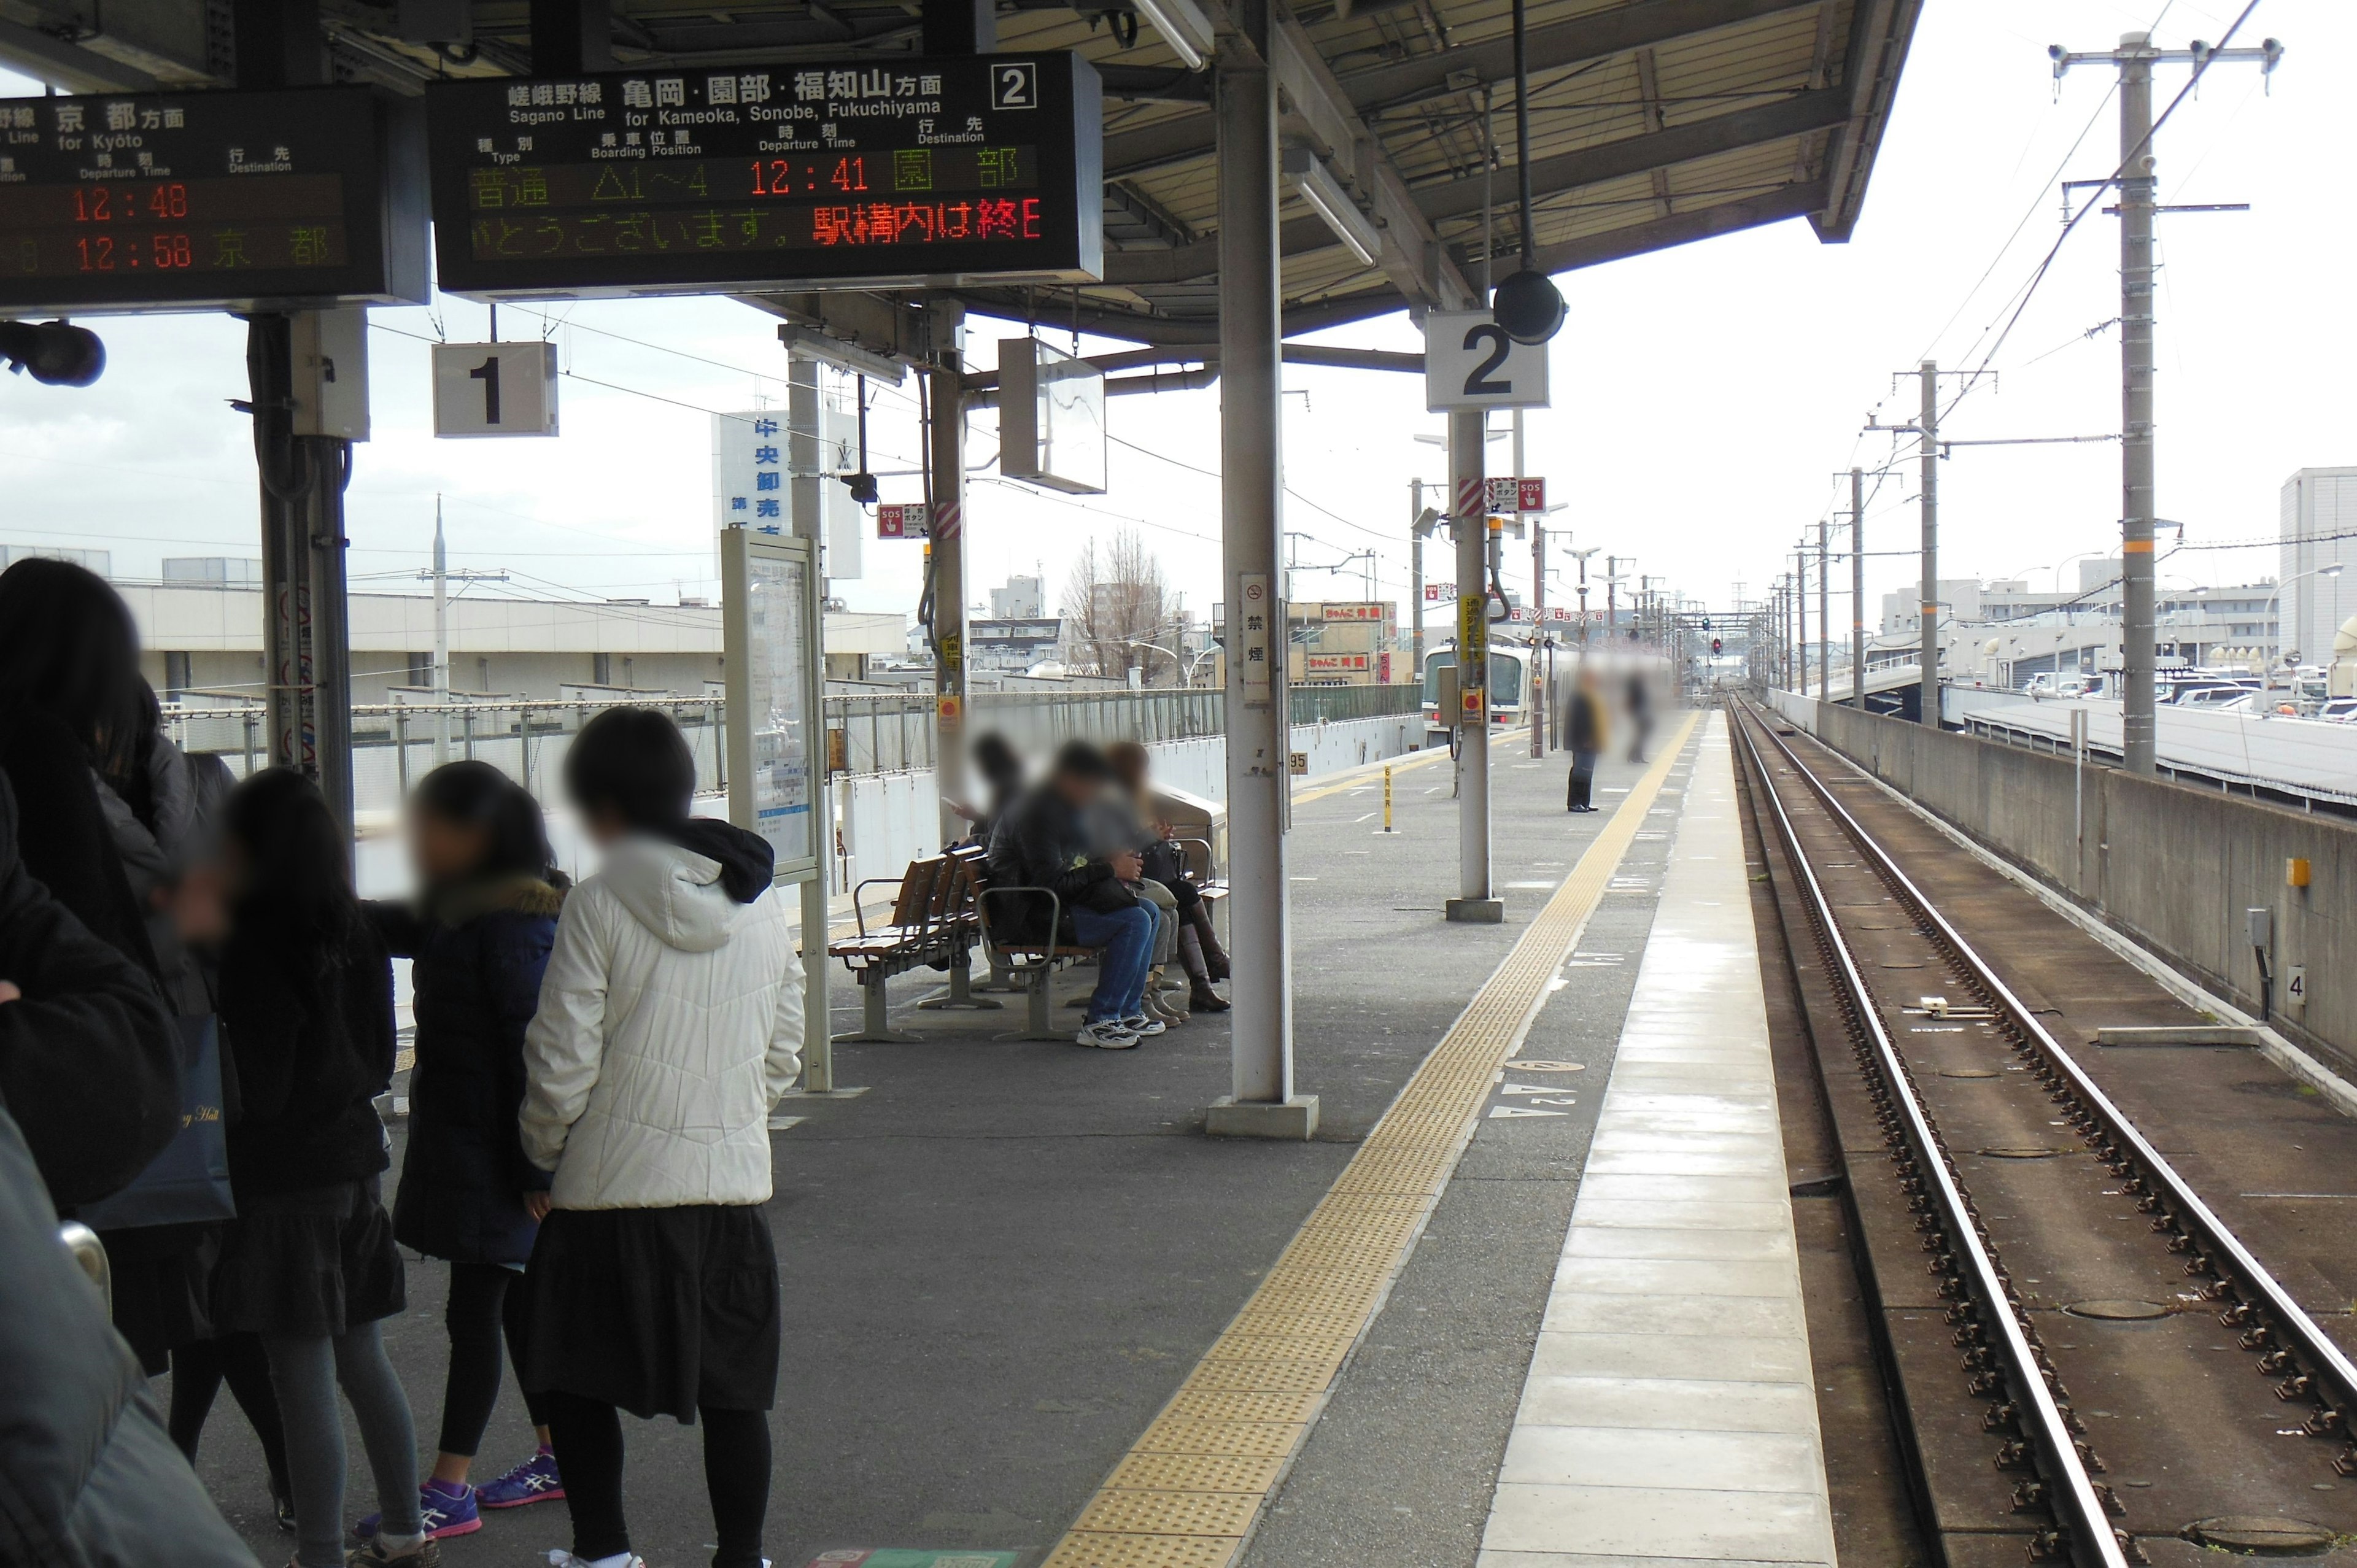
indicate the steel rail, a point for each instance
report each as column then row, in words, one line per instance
column 2073, row 1494
column 2224, row 1255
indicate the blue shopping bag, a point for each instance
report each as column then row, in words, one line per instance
column 189, row 1182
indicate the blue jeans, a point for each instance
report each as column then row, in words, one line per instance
column 1128, row 941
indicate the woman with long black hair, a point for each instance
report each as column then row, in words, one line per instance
column 309, row 1264
column 113, row 818
column 479, row 936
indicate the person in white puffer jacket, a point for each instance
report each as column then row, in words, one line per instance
column 670, row 1022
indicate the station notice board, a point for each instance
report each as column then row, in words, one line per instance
column 127, row 201
column 772, row 663
column 913, row 171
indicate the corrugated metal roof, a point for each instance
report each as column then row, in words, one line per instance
column 1652, row 122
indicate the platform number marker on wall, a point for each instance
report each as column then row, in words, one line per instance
column 1470, row 363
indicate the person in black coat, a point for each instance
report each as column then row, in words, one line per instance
column 89, row 1061
column 1584, row 730
column 479, row 937
column 309, row 1264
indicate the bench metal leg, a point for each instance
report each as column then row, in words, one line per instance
column 1002, row 983
column 876, row 1021
column 1038, row 1024
column 960, row 994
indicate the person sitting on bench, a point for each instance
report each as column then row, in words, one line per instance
column 1042, row 841
column 1199, row 946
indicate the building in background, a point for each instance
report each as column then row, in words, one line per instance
column 200, row 627
column 98, row 561
column 1021, row 598
column 2316, row 515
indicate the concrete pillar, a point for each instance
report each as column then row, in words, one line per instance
column 1469, row 515
column 1264, row 1103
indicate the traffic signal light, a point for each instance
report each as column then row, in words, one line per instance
column 1714, row 647
column 1706, row 625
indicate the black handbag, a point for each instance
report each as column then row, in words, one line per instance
column 189, row 1182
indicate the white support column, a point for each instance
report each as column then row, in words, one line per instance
column 1468, row 514
column 1264, row 1103
column 805, row 502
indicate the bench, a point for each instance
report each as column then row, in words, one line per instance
column 932, row 926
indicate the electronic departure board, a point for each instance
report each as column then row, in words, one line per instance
column 915, row 171
column 185, row 200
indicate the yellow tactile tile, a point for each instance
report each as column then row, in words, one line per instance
column 1098, row 1549
column 1189, row 1490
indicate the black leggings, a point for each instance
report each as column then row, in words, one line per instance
column 199, row 1371
column 587, row 1437
column 480, row 1311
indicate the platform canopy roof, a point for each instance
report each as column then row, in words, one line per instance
column 1653, row 123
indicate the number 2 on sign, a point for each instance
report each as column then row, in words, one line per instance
column 1478, row 382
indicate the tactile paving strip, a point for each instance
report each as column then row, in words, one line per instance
column 1187, row 1492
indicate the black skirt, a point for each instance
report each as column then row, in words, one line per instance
column 656, row 1310
column 310, row 1263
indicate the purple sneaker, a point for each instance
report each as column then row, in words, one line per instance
column 534, row 1481
column 442, row 1512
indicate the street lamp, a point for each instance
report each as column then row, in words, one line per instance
column 2273, row 599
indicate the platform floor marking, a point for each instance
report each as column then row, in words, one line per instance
column 1189, row 1491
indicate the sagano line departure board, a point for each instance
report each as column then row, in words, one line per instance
column 190, row 200
column 690, row 181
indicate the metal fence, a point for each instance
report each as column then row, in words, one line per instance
column 396, row 743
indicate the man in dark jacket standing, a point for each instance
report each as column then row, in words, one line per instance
column 1043, row 840
column 1585, row 731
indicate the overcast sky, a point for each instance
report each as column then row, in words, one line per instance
column 1704, row 398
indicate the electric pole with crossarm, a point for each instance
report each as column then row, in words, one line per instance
column 2135, row 59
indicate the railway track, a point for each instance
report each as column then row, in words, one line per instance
column 2091, row 1365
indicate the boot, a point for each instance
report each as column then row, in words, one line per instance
column 1201, row 997
column 1215, row 958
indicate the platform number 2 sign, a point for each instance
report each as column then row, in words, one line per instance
column 494, row 388
column 1470, row 363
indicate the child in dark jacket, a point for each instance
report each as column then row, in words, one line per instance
column 309, row 1264
column 478, row 937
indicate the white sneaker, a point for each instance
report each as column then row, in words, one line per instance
column 1112, row 1034
column 1141, row 1024
column 562, row 1559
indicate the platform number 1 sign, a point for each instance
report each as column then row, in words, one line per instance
column 494, row 388
column 1470, row 363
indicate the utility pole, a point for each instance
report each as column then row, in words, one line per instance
column 1857, row 589
column 1824, row 618
column 1536, row 693
column 439, row 574
column 1928, row 424
column 1611, row 598
column 2135, row 59
column 1415, row 533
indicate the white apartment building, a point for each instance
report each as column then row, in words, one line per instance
column 2316, row 502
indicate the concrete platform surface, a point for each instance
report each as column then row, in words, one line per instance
column 1002, row 1260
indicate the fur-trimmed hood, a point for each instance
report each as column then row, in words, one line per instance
column 471, row 901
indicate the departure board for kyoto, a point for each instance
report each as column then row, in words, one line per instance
column 185, row 200
column 919, row 170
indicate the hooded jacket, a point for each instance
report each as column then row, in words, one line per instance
column 670, row 1022
column 478, row 952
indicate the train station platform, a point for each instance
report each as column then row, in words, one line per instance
column 1036, row 1316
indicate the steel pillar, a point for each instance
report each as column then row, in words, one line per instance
column 1468, row 444
column 945, row 487
column 1262, row 1101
